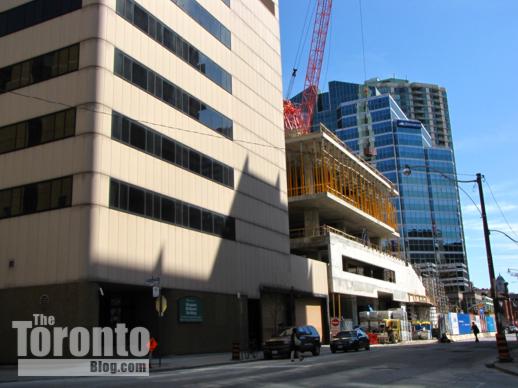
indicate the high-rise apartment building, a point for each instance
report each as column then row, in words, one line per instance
column 142, row 142
column 429, row 218
column 427, row 103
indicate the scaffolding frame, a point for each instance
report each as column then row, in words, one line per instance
column 316, row 165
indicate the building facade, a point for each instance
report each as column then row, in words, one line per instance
column 342, row 213
column 430, row 222
column 144, row 140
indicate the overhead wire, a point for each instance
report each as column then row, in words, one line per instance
column 499, row 208
column 85, row 108
column 143, row 121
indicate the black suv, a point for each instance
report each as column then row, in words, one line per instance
column 280, row 345
column 350, row 340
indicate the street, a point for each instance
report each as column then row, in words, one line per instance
column 461, row 364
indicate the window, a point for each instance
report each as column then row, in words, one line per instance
column 368, row 270
column 136, row 200
column 145, row 139
column 148, row 204
column 162, row 34
column 206, row 222
column 205, row 19
column 39, row 69
column 138, row 136
column 139, row 75
column 34, row 12
column 172, row 94
column 194, row 217
column 36, row 197
column 38, row 130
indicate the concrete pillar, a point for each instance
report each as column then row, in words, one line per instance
column 309, row 179
column 311, row 222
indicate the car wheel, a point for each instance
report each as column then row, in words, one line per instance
column 316, row 351
column 267, row 356
column 368, row 347
column 356, row 348
column 333, row 350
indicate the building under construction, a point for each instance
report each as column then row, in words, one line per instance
column 341, row 212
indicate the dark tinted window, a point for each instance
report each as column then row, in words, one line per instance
column 39, row 69
column 139, row 75
column 38, row 130
column 205, row 19
column 34, row 12
column 140, row 18
column 141, row 202
column 168, row 150
column 194, row 217
column 168, row 210
column 130, row 132
column 136, row 201
column 138, row 136
column 174, row 42
column 36, row 197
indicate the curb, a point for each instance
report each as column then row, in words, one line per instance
column 497, row 366
column 186, row 367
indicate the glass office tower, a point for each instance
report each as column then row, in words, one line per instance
column 429, row 217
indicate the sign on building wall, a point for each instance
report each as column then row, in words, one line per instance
column 190, row 309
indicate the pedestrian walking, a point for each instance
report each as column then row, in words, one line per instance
column 475, row 330
column 295, row 346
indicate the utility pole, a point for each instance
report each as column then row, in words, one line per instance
column 503, row 349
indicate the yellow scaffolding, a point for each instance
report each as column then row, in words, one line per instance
column 318, row 166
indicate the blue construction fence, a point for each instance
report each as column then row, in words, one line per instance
column 458, row 323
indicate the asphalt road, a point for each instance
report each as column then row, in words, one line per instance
column 461, row 364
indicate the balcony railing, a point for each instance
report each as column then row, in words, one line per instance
column 325, row 230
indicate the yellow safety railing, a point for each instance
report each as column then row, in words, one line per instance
column 328, row 175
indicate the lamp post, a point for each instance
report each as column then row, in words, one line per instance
column 503, row 349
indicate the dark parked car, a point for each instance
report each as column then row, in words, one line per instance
column 350, row 340
column 280, row 345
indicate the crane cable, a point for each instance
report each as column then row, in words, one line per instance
column 363, row 42
column 303, row 38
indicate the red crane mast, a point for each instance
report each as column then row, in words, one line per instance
column 298, row 118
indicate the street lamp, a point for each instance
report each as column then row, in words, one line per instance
column 503, row 349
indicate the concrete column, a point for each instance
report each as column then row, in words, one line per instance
column 311, row 221
column 354, row 310
column 309, row 179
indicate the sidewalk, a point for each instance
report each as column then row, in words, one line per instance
column 9, row 373
column 508, row 367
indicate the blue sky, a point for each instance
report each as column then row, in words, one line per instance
column 468, row 46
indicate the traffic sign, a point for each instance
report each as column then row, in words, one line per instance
column 335, row 322
column 156, row 291
column 161, row 305
column 152, row 344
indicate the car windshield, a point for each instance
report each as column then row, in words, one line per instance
column 286, row 333
column 346, row 334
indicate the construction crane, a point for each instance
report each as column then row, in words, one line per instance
column 298, row 117
column 513, row 272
